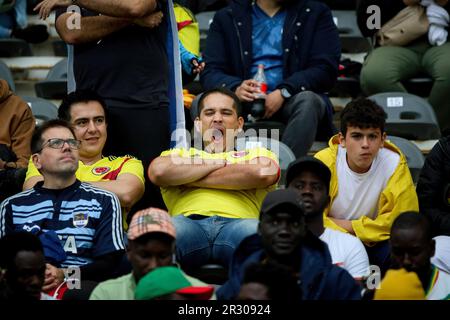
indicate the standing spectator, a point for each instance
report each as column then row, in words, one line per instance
column 120, row 52
column 370, row 180
column 214, row 194
column 124, row 176
column 310, row 177
column 16, row 128
column 298, row 44
column 283, row 238
column 86, row 219
column 22, row 268
column 386, row 67
column 412, row 249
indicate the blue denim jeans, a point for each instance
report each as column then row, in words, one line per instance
column 202, row 239
column 15, row 17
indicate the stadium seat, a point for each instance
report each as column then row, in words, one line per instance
column 42, row 109
column 409, row 116
column 420, row 85
column 5, row 74
column 283, row 152
column 211, row 274
column 14, row 48
column 352, row 40
column 413, row 155
column 55, row 84
column 204, row 19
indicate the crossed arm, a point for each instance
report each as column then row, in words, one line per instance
column 170, row 171
column 115, row 15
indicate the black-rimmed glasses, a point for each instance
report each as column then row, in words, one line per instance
column 56, row 143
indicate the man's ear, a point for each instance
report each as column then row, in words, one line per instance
column 383, row 138
column 341, row 140
column 36, row 160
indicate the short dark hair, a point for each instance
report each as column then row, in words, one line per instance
column 36, row 139
column 78, row 96
column 13, row 243
column 412, row 219
column 279, row 279
column 237, row 103
column 362, row 113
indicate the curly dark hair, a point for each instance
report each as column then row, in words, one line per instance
column 363, row 113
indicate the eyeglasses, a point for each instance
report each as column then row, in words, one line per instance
column 57, row 143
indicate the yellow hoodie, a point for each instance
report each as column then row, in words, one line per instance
column 398, row 196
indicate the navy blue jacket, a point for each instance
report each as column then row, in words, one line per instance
column 311, row 48
column 320, row 279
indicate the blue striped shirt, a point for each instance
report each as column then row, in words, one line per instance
column 86, row 219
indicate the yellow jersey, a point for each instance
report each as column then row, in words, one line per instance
column 210, row 202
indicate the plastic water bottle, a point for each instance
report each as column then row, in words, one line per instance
column 258, row 107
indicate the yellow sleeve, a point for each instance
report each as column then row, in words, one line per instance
column 398, row 196
column 189, row 34
column 135, row 167
column 31, row 171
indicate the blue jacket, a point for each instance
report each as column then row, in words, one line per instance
column 320, row 279
column 311, row 49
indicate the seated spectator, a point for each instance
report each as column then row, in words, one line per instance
column 124, row 176
column 400, row 285
column 214, row 194
column 284, row 239
column 86, row 219
column 16, row 128
column 22, row 268
column 13, row 23
column 412, row 249
column 151, row 244
column 169, row 283
column 298, row 44
column 311, row 179
column 269, row 281
column 433, row 190
column 370, row 180
column 387, row 66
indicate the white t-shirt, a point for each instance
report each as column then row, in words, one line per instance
column 441, row 258
column 347, row 251
column 358, row 194
column 439, row 286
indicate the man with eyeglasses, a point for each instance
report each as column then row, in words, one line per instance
column 86, row 219
column 124, row 175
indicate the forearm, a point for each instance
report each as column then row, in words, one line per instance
column 175, row 171
column 127, row 192
column 239, row 177
column 345, row 224
column 102, row 268
column 120, row 8
column 92, row 28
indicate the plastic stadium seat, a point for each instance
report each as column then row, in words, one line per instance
column 204, row 19
column 42, row 109
column 283, row 152
column 409, row 116
column 55, row 84
column 14, row 48
column 420, row 85
column 5, row 74
column 413, row 155
column 352, row 40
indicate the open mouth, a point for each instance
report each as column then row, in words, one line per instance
column 217, row 135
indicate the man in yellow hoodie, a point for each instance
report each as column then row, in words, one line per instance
column 370, row 180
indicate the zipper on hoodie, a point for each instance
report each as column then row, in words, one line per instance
column 239, row 39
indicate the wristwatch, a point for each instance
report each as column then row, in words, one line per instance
column 285, row 93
